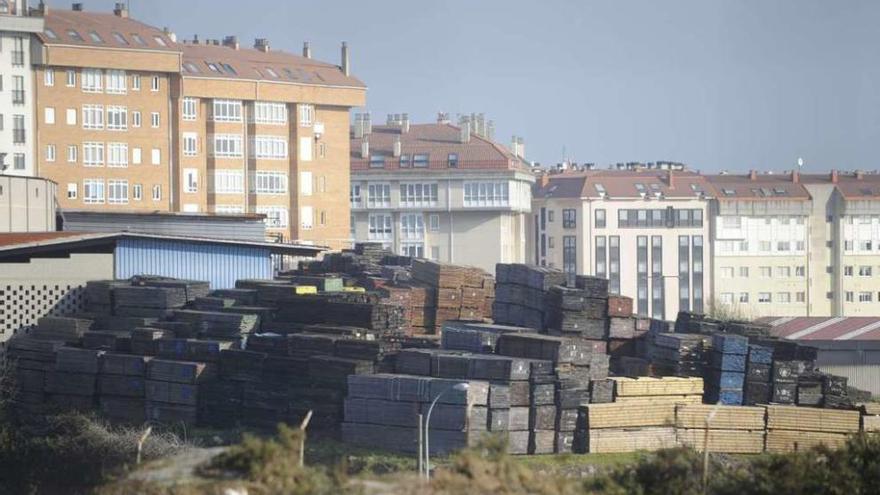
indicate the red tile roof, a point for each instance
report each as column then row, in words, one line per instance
column 758, row 187
column 851, row 185
column 436, row 140
column 624, row 184
column 62, row 22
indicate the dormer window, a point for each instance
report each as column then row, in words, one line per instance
column 600, row 189
column 405, row 161
column 377, row 161
column 640, row 188
column 137, row 39
column 50, row 34
column 452, row 160
column 160, row 40
column 96, row 37
column 75, row 35
column 420, row 161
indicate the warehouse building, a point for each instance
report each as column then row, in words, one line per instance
column 243, row 227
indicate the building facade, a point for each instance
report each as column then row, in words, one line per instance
column 129, row 119
column 17, row 30
column 646, row 231
column 438, row 191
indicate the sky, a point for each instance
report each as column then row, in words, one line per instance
column 717, row 84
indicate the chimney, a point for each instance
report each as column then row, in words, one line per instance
column 120, row 10
column 670, row 179
column 544, row 179
column 365, row 147
column 368, row 124
column 307, row 49
column 753, row 175
column 170, row 34
column 261, row 44
column 42, row 9
column 795, row 176
column 345, row 62
column 834, row 176
column 443, row 118
column 465, row 130
column 231, row 42
column 860, row 175
column 77, row 7
column 404, row 123
column 358, row 128
column 490, row 130
column 396, row 149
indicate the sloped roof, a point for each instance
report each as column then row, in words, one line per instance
column 625, row 184
column 825, row 328
column 761, row 187
column 851, row 185
column 438, row 141
column 63, row 23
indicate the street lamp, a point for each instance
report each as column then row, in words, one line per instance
column 459, row 387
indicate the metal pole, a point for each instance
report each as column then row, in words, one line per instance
column 421, row 446
column 302, row 440
column 428, row 435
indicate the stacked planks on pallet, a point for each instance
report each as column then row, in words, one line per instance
column 456, row 292
column 757, row 388
column 729, row 429
column 679, row 354
column 581, row 311
column 727, row 362
column 171, row 390
column 623, row 427
column 122, row 387
column 791, row 428
column 521, row 292
column 666, row 390
column 383, row 409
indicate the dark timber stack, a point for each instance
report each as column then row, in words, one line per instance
column 758, row 373
column 679, row 354
column 727, row 361
column 122, row 387
column 456, row 292
column 521, row 292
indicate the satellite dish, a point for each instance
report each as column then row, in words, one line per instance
column 800, row 162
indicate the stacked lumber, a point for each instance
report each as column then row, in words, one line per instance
column 385, row 318
column 623, row 427
column 581, row 311
column 147, row 301
column 383, row 409
column 729, row 429
column 122, row 387
column 61, row 328
column 29, row 361
column 758, row 389
column 666, row 390
column 73, row 382
column 678, row 354
column 171, row 390
column 726, row 377
column 521, row 292
column 870, row 417
column 792, row 428
column 475, row 336
column 192, row 289
column 455, row 292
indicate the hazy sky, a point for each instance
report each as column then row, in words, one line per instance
column 718, row 84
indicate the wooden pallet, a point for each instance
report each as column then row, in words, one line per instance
column 719, row 417
column 810, row 419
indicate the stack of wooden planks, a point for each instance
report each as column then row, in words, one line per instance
column 579, row 311
column 521, row 292
column 870, row 417
column 454, row 292
column 727, row 363
column 666, row 390
column 730, row 429
column 623, row 427
column 122, row 387
column 792, row 428
column 679, row 354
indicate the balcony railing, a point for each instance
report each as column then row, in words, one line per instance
column 17, row 58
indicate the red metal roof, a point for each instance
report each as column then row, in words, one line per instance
column 825, row 328
column 10, row 239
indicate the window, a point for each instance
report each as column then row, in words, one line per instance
column 550, row 216
column 227, row 145
column 71, row 190
column 157, row 192
column 847, row 245
column 50, row 152
column 726, row 297
column 600, row 257
column 412, row 226
column 137, row 38
column 744, row 271
column 764, row 246
column 380, row 227
column 864, row 245
column 305, row 149
column 190, row 108
column 92, row 81
column 799, row 245
column 865, row 271
column 190, row 144
column 228, row 181
column 117, row 154
column 116, row 82
column 190, row 180
column 418, row 194
column 71, row 78
column 847, row 271
column 452, row 160
column 276, row 216
column 93, row 191
column 420, row 160
column 766, row 271
column 600, row 219
column 226, row 111
column 49, row 115
column 135, row 82
column 119, row 38
column 377, row 161
column 71, row 153
column 154, row 83
column 269, row 113
column 405, row 161
column 658, row 305
column 269, row 182
column 354, row 195
column 726, row 272
column 614, row 264
column 434, row 222
column 18, row 161
column 156, row 156
column 117, row 118
column 783, row 271
column 71, row 116
column 486, row 194
column 848, row 296
column 229, row 209
column 93, row 154
column 697, row 256
column 49, row 77
column 764, row 297
column 413, row 249
column 137, row 192
column 800, row 297
column 642, row 275
column 18, row 132
column 306, row 115
column 305, row 183
column 783, row 297
column 93, row 116
column 322, row 150
column 783, row 246
column 744, row 297
column 136, row 119
column 378, row 195
column 18, row 51
column 800, row 271
column 136, row 156
column 18, row 90
column 865, row 297
column 269, row 147
column 306, row 217
column 154, row 119
column 569, row 218
column 96, row 37
column 117, row 192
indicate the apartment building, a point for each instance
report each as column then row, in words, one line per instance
column 647, row 231
column 762, row 245
column 104, row 122
column 263, row 131
column 439, row 191
column 17, row 30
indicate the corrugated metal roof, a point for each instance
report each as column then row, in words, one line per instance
column 825, row 328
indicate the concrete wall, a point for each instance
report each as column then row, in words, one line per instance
column 27, row 204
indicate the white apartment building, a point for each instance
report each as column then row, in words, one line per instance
column 438, row 191
column 647, row 231
column 16, row 88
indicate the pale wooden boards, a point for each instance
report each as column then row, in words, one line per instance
column 719, row 417
column 647, row 386
column 613, row 440
column 623, row 415
column 728, row 441
column 812, row 420
column 791, row 441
